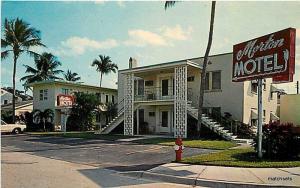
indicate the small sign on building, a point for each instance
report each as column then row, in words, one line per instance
column 269, row 56
column 65, row 100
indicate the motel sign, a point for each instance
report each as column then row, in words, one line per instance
column 269, row 56
column 65, row 100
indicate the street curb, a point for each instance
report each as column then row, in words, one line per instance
column 197, row 182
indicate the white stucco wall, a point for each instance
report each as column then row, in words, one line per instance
column 230, row 96
column 251, row 103
column 290, row 109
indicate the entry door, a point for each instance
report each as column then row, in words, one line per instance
column 164, row 87
column 164, row 121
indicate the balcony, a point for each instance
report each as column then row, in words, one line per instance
column 154, row 93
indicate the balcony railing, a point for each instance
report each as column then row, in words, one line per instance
column 154, row 93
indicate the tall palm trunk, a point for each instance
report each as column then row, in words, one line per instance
column 203, row 74
column 14, row 90
column 101, row 78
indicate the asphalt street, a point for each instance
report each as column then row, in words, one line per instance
column 119, row 156
column 38, row 162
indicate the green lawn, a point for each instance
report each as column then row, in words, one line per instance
column 238, row 158
column 206, row 144
column 85, row 135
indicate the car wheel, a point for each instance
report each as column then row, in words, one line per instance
column 16, row 131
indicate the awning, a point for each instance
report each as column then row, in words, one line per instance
column 254, row 114
column 273, row 117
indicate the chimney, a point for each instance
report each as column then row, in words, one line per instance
column 132, row 63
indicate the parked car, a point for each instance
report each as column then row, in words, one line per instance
column 12, row 128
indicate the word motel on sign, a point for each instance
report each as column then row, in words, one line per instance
column 268, row 63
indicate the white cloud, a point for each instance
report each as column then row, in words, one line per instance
column 163, row 37
column 121, row 3
column 139, row 37
column 177, row 32
column 79, row 45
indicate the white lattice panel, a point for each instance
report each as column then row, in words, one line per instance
column 128, row 105
column 180, row 103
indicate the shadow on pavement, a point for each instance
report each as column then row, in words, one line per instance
column 140, row 167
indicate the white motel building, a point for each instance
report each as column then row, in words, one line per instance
column 45, row 96
column 162, row 96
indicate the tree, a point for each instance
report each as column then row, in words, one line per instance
column 45, row 69
column 46, row 116
column 73, row 77
column 18, row 38
column 203, row 77
column 104, row 66
column 83, row 111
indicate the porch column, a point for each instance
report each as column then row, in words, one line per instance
column 128, row 104
column 137, row 121
column 180, row 102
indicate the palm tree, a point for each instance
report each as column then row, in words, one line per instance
column 202, row 84
column 18, row 38
column 45, row 69
column 46, row 116
column 73, row 77
column 104, row 66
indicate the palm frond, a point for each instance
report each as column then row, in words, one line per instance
column 5, row 54
column 169, row 4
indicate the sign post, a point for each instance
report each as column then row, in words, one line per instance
column 66, row 102
column 259, row 110
column 269, row 56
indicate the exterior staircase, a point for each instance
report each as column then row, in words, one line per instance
column 114, row 123
column 211, row 124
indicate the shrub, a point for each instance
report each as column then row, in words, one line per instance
column 83, row 115
column 279, row 141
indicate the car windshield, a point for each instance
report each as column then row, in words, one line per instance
column 3, row 123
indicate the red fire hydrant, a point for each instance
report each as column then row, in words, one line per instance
column 178, row 149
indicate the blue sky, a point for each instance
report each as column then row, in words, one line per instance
column 77, row 32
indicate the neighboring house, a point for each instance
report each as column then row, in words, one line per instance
column 163, row 95
column 21, row 107
column 45, row 96
column 7, row 96
column 290, row 109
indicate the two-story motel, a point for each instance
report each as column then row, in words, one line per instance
column 45, row 96
column 163, row 95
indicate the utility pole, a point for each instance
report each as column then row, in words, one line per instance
column 297, row 87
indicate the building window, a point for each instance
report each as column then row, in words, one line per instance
column 254, row 86
column 106, row 98
column 216, row 80
column 264, row 113
column 264, row 84
column 191, row 78
column 98, row 96
column 149, row 83
column 41, row 95
column 113, row 99
column 151, row 114
column 206, row 86
column 65, row 91
column 5, row 101
column 44, row 94
column 140, row 87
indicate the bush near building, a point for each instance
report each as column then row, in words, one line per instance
column 83, row 115
column 280, row 141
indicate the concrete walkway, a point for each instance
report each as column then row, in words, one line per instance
column 214, row 176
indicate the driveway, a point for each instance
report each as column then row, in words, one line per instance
column 113, row 155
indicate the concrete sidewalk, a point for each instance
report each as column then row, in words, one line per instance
column 214, row 176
